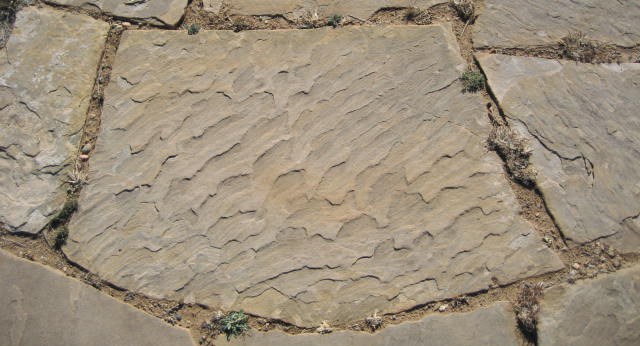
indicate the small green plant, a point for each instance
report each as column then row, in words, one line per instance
column 60, row 238
column 234, row 324
column 335, row 20
column 193, row 29
column 472, row 81
column 68, row 209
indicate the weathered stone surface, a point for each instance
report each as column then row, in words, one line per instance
column 42, row 307
column 520, row 23
column 604, row 311
column 46, row 77
column 494, row 325
column 157, row 12
column 582, row 123
column 361, row 9
column 301, row 175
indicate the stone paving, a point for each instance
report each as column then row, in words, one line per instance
column 156, row 12
column 44, row 100
column 581, row 121
column 318, row 176
column 604, row 311
column 43, row 307
column 323, row 186
column 525, row 23
column 440, row 330
column 293, row 9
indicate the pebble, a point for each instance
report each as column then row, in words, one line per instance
column 86, row 148
column 575, row 266
column 84, row 157
column 443, row 307
column 616, row 262
column 126, row 24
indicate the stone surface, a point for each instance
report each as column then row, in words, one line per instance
column 300, row 175
column 521, row 23
column 46, row 77
column 604, row 311
column 362, row 9
column 494, row 325
column 582, row 123
column 42, row 307
column 157, row 12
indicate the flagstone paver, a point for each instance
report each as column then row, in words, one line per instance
column 292, row 9
column 493, row 325
column 522, row 23
column 43, row 307
column 157, row 12
column 46, row 77
column 299, row 175
column 581, row 121
column 604, row 311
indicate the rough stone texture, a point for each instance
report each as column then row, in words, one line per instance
column 157, row 12
column 46, row 77
column 605, row 311
column 582, row 123
column 42, row 307
column 362, row 9
column 494, row 325
column 520, row 23
column 301, row 175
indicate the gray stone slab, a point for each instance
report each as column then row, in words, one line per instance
column 582, row 123
column 157, row 12
column 299, row 174
column 521, row 23
column 604, row 311
column 493, row 325
column 362, row 9
column 46, row 77
column 43, row 307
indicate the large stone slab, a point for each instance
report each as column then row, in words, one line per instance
column 582, row 123
column 42, row 307
column 362, row 9
column 157, row 12
column 494, row 325
column 605, row 311
column 46, row 77
column 521, row 23
column 300, row 175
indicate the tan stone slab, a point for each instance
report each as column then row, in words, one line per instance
column 40, row 306
column 46, row 77
column 521, row 23
column 157, row 12
column 493, row 325
column 604, row 311
column 362, row 9
column 299, row 174
column 582, row 123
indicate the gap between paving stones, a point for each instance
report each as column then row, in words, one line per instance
column 193, row 316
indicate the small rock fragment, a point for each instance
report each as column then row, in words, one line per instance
column 86, row 149
column 324, row 328
column 126, row 24
column 374, row 321
column 575, row 266
column 443, row 307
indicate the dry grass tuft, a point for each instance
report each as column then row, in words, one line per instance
column 576, row 46
column 515, row 152
column 465, row 8
column 527, row 306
